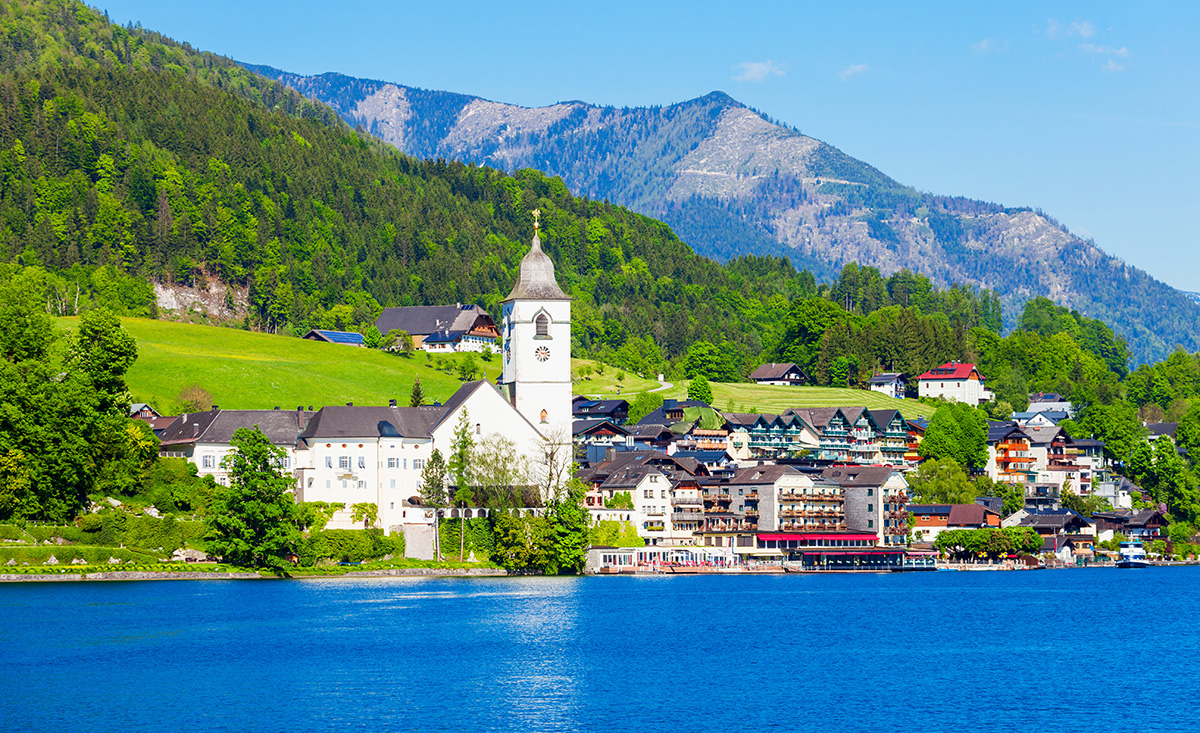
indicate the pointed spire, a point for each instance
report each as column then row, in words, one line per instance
column 535, row 277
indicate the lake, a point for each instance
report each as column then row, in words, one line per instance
column 1071, row 650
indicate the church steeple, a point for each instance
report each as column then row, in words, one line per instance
column 535, row 276
column 536, row 324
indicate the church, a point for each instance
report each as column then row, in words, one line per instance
column 365, row 454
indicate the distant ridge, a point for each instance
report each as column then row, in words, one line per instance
column 731, row 182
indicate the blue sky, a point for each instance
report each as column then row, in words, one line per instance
column 1088, row 111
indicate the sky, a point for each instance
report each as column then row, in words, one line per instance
column 1087, row 110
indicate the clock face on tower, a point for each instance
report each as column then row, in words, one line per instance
column 541, row 353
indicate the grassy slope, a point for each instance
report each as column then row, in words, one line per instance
column 762, row 398
column 247, row 370
column 595, row 385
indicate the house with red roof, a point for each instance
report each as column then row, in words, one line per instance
column 956, row 382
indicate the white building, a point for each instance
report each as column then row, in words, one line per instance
column 352, row 455
column 955, row 382
column 203, row 438
column 888, row 383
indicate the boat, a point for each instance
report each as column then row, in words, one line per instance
column 1132, row 555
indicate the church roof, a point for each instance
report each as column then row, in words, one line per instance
column 535, row 277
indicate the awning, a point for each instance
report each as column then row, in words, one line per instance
column 798, row 537
column 849, row 551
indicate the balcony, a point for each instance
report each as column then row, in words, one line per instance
column 687, row 500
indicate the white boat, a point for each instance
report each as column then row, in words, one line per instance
column 1133, row 555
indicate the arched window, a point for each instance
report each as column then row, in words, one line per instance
column 543, row 325
column 544, row 416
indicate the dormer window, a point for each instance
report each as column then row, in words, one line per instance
column 542, row 323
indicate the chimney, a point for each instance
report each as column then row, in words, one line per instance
column 391, row 403
column 276, row 408
column 215, row 408
column 299, row 408
column 195, row 429
column 310, row 409
column 349, row 404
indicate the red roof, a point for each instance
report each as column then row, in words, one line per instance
column 829, row 536
column 949, row 370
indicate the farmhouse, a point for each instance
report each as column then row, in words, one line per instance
column 442, row 327
column 779, row 374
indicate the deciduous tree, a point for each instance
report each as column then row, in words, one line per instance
column 252, row 522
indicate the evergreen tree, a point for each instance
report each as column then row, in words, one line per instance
column 417, row 398
column 433, row 481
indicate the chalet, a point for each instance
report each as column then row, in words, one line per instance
column 956, row 382
column 833, row 428
column 616, row 411
column 1009, row 457
column 930, row 520
column 1056, row 524
column 446, row 327
column 1141, row 524
column 349, row 338
column 142, row 411
column 147, row 414
column 779, row 374
column 891, row 384
column 753, row 435
column 598, row 432
column 892, row 438
column 864, row 435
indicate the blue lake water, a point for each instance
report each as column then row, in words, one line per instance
column 1077, row 650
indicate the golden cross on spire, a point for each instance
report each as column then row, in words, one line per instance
column 536, row 213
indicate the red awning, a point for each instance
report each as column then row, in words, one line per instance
column 851, row 551
column 789, row 537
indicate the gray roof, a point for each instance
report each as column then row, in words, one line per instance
column 1157, row 429
column 761, row 474
column 535, row 277
column 859, row 475
column 423, row 320
column 775, row 371
column 1042, row 436
column 885, row 378
column 347, row 421
column 217, row 426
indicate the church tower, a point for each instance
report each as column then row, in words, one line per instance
column 536, row 326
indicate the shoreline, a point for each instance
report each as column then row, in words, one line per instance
column 127, row 575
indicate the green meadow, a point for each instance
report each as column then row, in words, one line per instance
column 256, row 371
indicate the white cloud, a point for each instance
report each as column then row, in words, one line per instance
column 758, row 70
column 1121, row 52
column 852, row 71
column 1082, row 28
column 989, row 45
column 1111, row 65
column 1053, row 29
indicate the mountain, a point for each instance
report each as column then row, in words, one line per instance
column 731, row 182
column 139, row 174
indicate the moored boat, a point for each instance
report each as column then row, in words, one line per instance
column 1132, row 555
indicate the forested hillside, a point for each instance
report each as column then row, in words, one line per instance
column 126, row 158
column 731, row 182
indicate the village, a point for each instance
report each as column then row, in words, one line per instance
column 810, row 489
